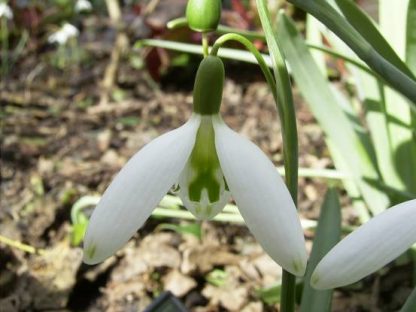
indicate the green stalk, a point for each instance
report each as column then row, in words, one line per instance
column 290, row 139
column 259, row 58
column 205, row 44
column 325, row 13
column 177, row 23
column 345, row 58
column 289, row 134
column 221, row 29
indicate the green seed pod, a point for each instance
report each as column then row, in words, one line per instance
column 208, row 86
column 203, row 15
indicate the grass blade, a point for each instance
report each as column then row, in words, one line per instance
column 410, row 305
column 233, row 54
column 393, row 25
column 335, row 123
column 286, row 110
column 365, row 26
column 411, row 36
column 327, row 235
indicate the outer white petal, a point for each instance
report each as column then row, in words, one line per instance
column 368, row 248
column 262, row 197
column 136, row 191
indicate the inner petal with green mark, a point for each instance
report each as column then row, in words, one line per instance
column 202, row 185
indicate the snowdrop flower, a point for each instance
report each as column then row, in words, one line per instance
column 209, row 162
column 61, row 36
column 83, row 6
column 368, row 248
column 5, row 11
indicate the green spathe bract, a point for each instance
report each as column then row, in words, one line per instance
column 208, row 86
column 203, row 15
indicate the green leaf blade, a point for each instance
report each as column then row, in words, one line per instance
column 365, row 26
column 410, row 305
column 339, row 130
column 411, row 36
column 327, row 235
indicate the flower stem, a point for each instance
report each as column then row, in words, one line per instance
column 249, row 46
column 287, row 116
column 287, row 300
column 205, row 43
column 284, row 103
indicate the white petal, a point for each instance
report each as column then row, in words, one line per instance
column 136, row 191
column 368, row 248
column 262, row 197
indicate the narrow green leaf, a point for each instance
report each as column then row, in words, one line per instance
column 286, row 110
column 79, row 220
column 270, row 295
column 329, row 16
column 410, row 55
column 233, row 54
column 410, row 305
column 412, row 252
column 285, row 103
column 393, row 19
column 411, row 36
column 350, row 185
column 365, row 26
column 399, row 195
column 371, row 93
column 327, row 235
column 80, row 204
column 314, row 36
column 377, row 120
column 324, row 105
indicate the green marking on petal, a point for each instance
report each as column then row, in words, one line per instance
column 90, row 251
column 314, row 279
column 202, row 185
column 205, row 164
column 298, row 266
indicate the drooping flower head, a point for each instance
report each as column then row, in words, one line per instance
column 210, row 163
column 5, row 11
column 367, row 249
column 62, row 35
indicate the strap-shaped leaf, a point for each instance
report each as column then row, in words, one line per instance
column 338, row 128
column 410, row 305
column 393, row 75
column 411, row 36
column 365, row 26
column 327, row 235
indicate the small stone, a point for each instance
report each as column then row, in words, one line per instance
column 178, row 284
